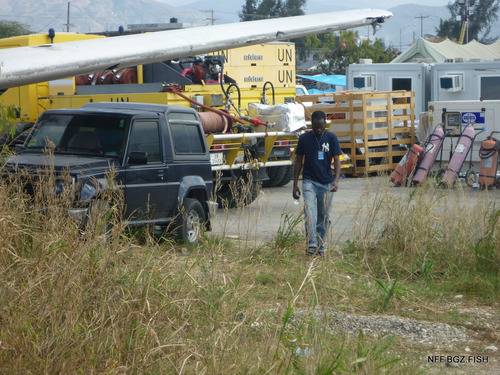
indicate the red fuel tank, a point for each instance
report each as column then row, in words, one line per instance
column 407, row 165
column 489, row 161
column 459, row 155
column 431, row 148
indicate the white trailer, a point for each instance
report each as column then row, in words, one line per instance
column 366, row 76
column 448, row 81
column 470, row 80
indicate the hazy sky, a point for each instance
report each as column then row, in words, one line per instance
column 383, row 4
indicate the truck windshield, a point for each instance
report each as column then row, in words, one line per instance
column 80, row 134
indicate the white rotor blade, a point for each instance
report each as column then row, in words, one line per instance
column 26, row 65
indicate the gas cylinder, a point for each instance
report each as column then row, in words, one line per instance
column 459, row 155
column 407, row 165
column 431, row 148
column 489, row 161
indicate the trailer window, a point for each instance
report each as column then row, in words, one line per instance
column 489, row 88
column 401, row 84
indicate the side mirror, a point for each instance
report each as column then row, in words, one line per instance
column 138, row 158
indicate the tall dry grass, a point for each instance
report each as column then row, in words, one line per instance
column 446, row 236
column 73, row 303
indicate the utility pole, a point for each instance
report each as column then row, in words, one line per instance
column 464, row 33
column 212, row 19
column 68, row 24
column 421, row 24
column 400, row 46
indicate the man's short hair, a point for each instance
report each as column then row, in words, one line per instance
column 318, row 115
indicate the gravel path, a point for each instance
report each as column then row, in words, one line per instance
column 417, row 331
column 446, row 344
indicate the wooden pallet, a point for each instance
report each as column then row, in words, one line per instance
column 374, row 127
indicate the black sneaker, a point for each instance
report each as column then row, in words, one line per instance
column 311, row 251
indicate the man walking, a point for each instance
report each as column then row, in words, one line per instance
column 314, row 154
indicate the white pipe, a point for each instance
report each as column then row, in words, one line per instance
column 246, row 166
column 222, row 137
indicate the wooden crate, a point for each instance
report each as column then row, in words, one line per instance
column 374, row 127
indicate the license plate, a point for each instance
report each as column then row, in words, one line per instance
column 216, row 158
column 280, row 152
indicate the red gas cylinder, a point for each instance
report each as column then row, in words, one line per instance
column 103, row 78
column 407, row 165
column 459, row 155
column 83, row 80
column 432, row 146
column 125, row 76
column 489, row 161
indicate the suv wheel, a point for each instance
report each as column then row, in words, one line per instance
column 191, row 221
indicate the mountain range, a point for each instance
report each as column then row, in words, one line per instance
column 410, row 21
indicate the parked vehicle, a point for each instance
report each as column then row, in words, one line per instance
column 156, row 155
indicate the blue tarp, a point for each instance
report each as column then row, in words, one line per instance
column 316, row 91
column 335, row 79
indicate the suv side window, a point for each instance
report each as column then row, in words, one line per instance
column 187, row 139
column 145, row 137
column 186, row 134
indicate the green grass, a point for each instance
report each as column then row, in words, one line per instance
column 71, row 303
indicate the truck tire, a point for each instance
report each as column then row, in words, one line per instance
column 271, row 173
column 288, row 176
column 280, row 173
column 191, row 221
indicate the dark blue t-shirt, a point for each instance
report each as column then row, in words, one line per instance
column 318, row 152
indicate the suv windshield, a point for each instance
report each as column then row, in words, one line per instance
column 80, row 134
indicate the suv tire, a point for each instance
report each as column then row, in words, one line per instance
column 191, row 221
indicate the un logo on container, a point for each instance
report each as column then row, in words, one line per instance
column 469, row 118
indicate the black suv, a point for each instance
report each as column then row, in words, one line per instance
column 157, row 156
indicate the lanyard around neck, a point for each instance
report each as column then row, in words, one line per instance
column 319, row 141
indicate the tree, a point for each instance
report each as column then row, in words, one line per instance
column 13, row 28
column 248, row 11
column 337, row 51
column 481, row 15
column 294, row 7
column 252, row 10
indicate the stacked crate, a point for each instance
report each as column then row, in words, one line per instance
column 374, row 128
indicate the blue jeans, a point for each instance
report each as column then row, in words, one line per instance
column 317, row 206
